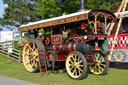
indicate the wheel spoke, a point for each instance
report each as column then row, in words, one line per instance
column 34, row 63
column 74, row 58
column 102, row 60
column 33, row 45
column 71, row 62
column 74, row 72
column 92, row 68
column 95, row 69
column 71, row 67
column 80, row 69
column 27, row 54
column 81, row 65
column 75, row 66
column 79, row 62
column 29, row 46
column 78, row 59
column 30, row 57
column 37, row 59
column 100, row 67
column 97, row 57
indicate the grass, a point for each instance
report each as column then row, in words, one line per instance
column 16, row 70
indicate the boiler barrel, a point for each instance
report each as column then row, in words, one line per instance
column 85, row 48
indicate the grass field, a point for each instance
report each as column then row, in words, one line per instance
column 15, row 70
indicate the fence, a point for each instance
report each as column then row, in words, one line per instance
column 8, row 49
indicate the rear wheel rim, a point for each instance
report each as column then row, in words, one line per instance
column 100, row 65
column 30, row 57
column 74, row 65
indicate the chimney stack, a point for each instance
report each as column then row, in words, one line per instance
column 82, row 5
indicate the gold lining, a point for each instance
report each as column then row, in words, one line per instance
column 56, row 22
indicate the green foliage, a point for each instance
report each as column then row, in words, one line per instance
column 19, row 12
column 53, row 8
column 16, row 46
column 49, row 8
column 110, row 5
column 1, row 29
column 41, row 31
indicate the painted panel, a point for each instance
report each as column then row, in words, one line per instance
column 120, row 55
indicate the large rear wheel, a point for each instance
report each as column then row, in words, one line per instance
column 30, row 57
column 76, row 65
column 101, row 66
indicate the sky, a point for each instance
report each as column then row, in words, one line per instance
column 1, row 8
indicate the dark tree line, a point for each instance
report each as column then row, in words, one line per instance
column 21, row 12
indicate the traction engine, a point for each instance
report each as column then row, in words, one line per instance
column 76, row 42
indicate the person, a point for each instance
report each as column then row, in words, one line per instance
column 100, row 27
column 103, row 45
column 64, row 33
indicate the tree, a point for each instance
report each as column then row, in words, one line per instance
column 19, row 12
column 1, row 29
column 48, row 8
column 110, row 5
column 54, row 8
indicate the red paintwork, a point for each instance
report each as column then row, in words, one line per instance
column 76, row 39
column 61, row 57
column 122, row 41
column 47, row 41
column 65, row 48
column 56, row 39
column 101, row 36
column 83, row 25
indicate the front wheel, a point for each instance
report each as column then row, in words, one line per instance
column 101, row 66
column 30, row 57
column 76, row 65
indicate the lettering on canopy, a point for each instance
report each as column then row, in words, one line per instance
column 55, row 22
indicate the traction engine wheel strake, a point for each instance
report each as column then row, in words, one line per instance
column 101, row 65
column 76, row 65
column 30, row 57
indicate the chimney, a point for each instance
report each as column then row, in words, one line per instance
column 82, row 5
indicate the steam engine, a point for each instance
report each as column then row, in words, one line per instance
column 57, row 46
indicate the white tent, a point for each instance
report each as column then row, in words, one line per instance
column 6, row 36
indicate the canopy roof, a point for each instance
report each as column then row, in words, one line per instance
column 78, row 16
column 125, row 14
column 55, row 21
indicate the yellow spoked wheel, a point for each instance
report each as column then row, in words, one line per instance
column 101, row 65
column 30, row 57
column 76, row 65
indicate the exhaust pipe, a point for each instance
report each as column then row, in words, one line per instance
column 82, row 5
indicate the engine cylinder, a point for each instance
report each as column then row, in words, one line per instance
column 85, row 48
